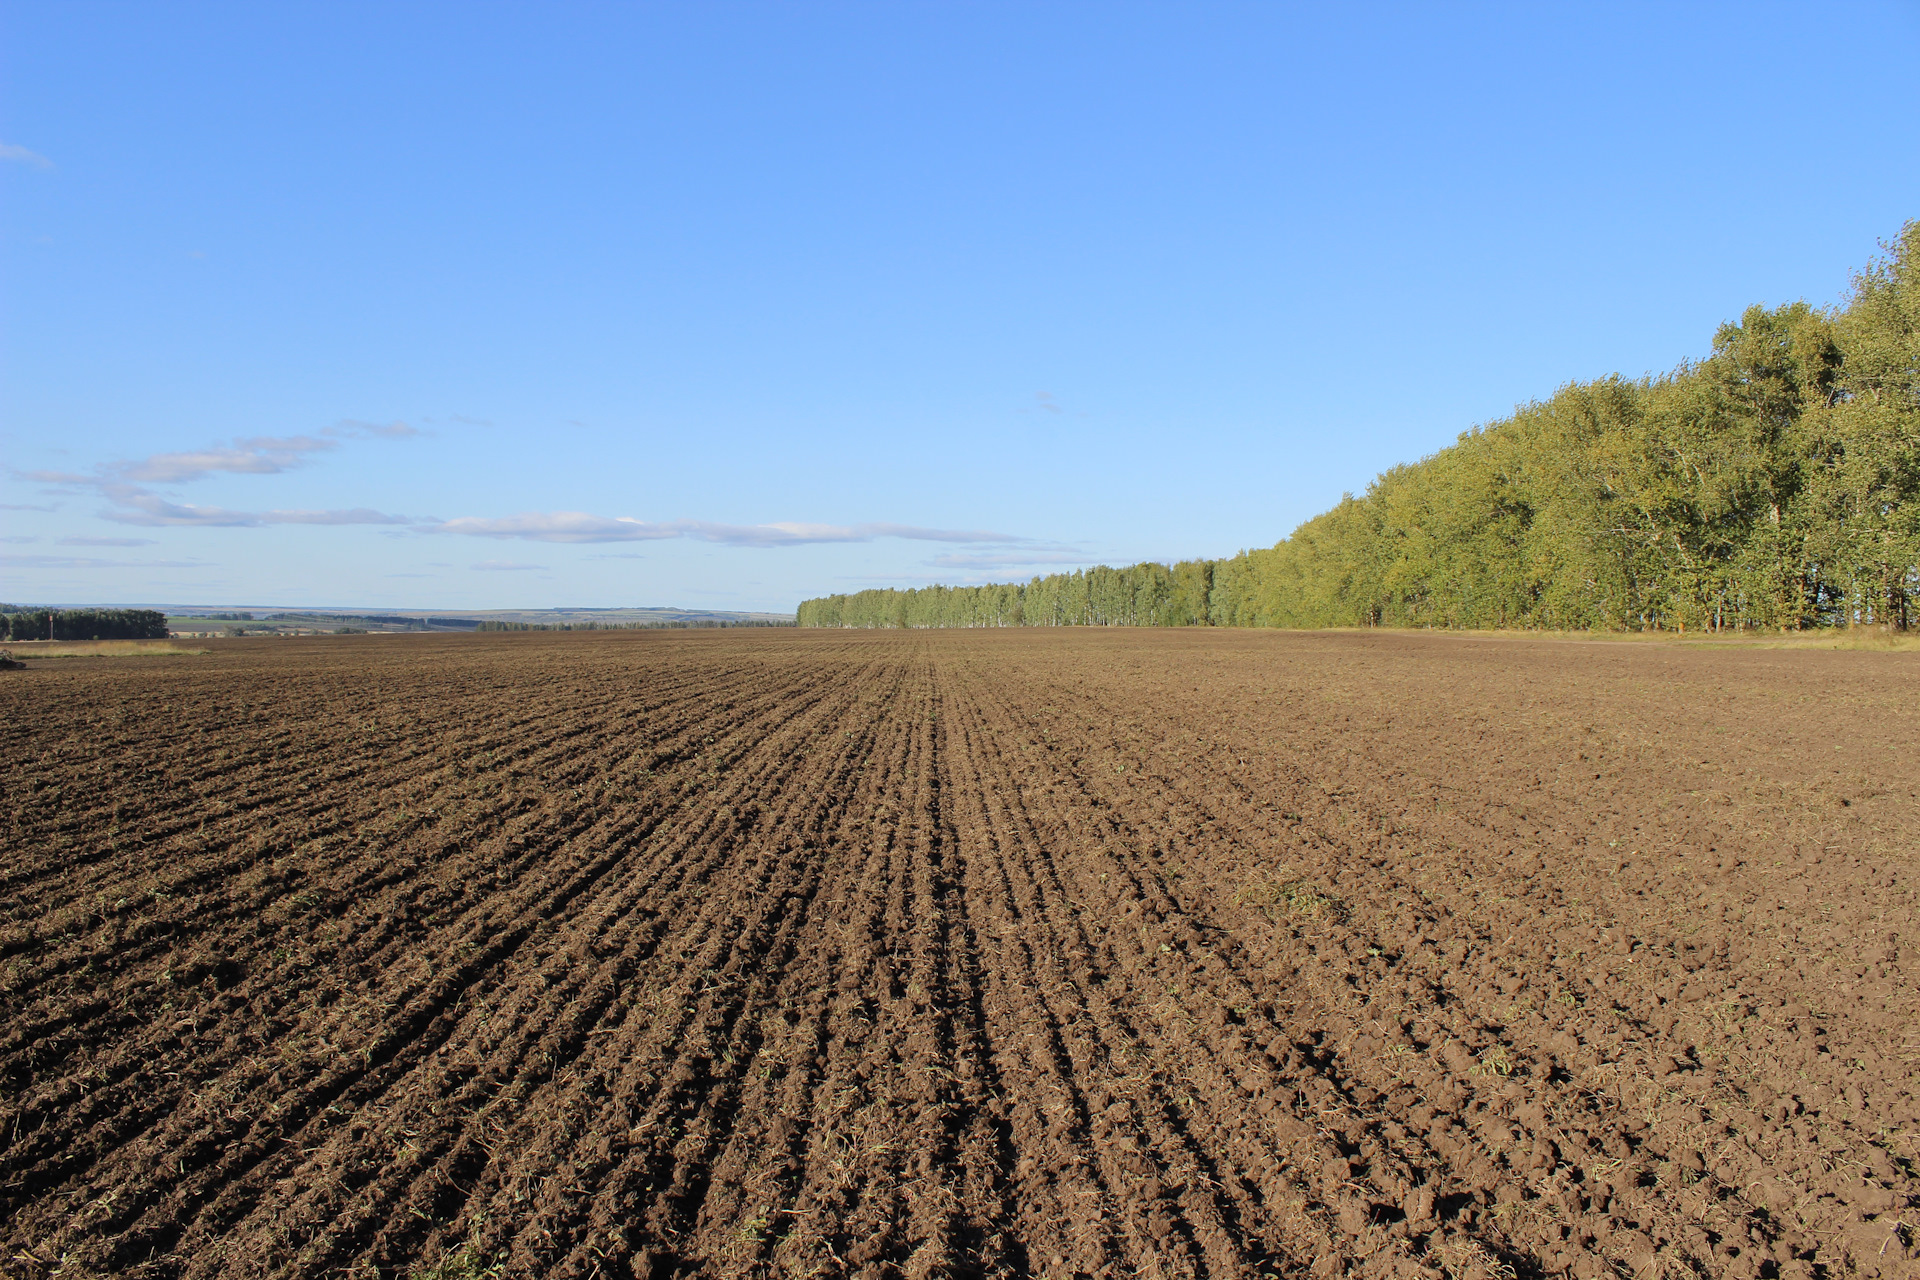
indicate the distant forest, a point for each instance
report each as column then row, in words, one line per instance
column 1773, row 484
column 21, row 622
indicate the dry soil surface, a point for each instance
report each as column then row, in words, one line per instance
column 911, row 954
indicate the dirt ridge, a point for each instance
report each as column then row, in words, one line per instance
column 1085, row 954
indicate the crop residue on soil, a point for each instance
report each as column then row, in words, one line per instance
column 1163, row 953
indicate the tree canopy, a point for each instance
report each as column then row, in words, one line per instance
column 1774, row 483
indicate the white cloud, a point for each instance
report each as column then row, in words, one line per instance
column 19, row 539
column 15, row 152
column 506, row 566
column 580, row 526
column 106, row 542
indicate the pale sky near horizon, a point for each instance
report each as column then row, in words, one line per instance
column 727, row 305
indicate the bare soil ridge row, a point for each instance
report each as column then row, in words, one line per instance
column 923, row 955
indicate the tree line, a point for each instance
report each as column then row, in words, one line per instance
column 1774, row 483
column 23, row 623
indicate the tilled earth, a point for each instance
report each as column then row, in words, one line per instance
column 912, row 954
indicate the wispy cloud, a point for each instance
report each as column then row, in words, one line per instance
column 355, row 515
column 20, row 155
column 259, row 456
column 580, row 526
column 124, row 482
column 19, row 539
column 106, row 542
column 28, row 506
column 1047, row 402
column 373, row 430
column 86, row 562
column 506, row 566
column 1006, row 560
column 556, row 526
column 139, row 507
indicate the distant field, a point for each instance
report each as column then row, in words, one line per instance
column 1067, row 952
column 24, row 649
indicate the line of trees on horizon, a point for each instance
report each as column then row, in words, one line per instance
column 25, row 623
column 1773, row 484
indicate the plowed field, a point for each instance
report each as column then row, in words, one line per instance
column 1042, row 953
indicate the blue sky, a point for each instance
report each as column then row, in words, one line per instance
column 727, row 305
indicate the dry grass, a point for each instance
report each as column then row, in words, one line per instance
column 24, row 649
column 1295, row 898
column 1877, row 639
column 464, row 1263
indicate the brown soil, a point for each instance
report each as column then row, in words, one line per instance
column 1045, row 953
